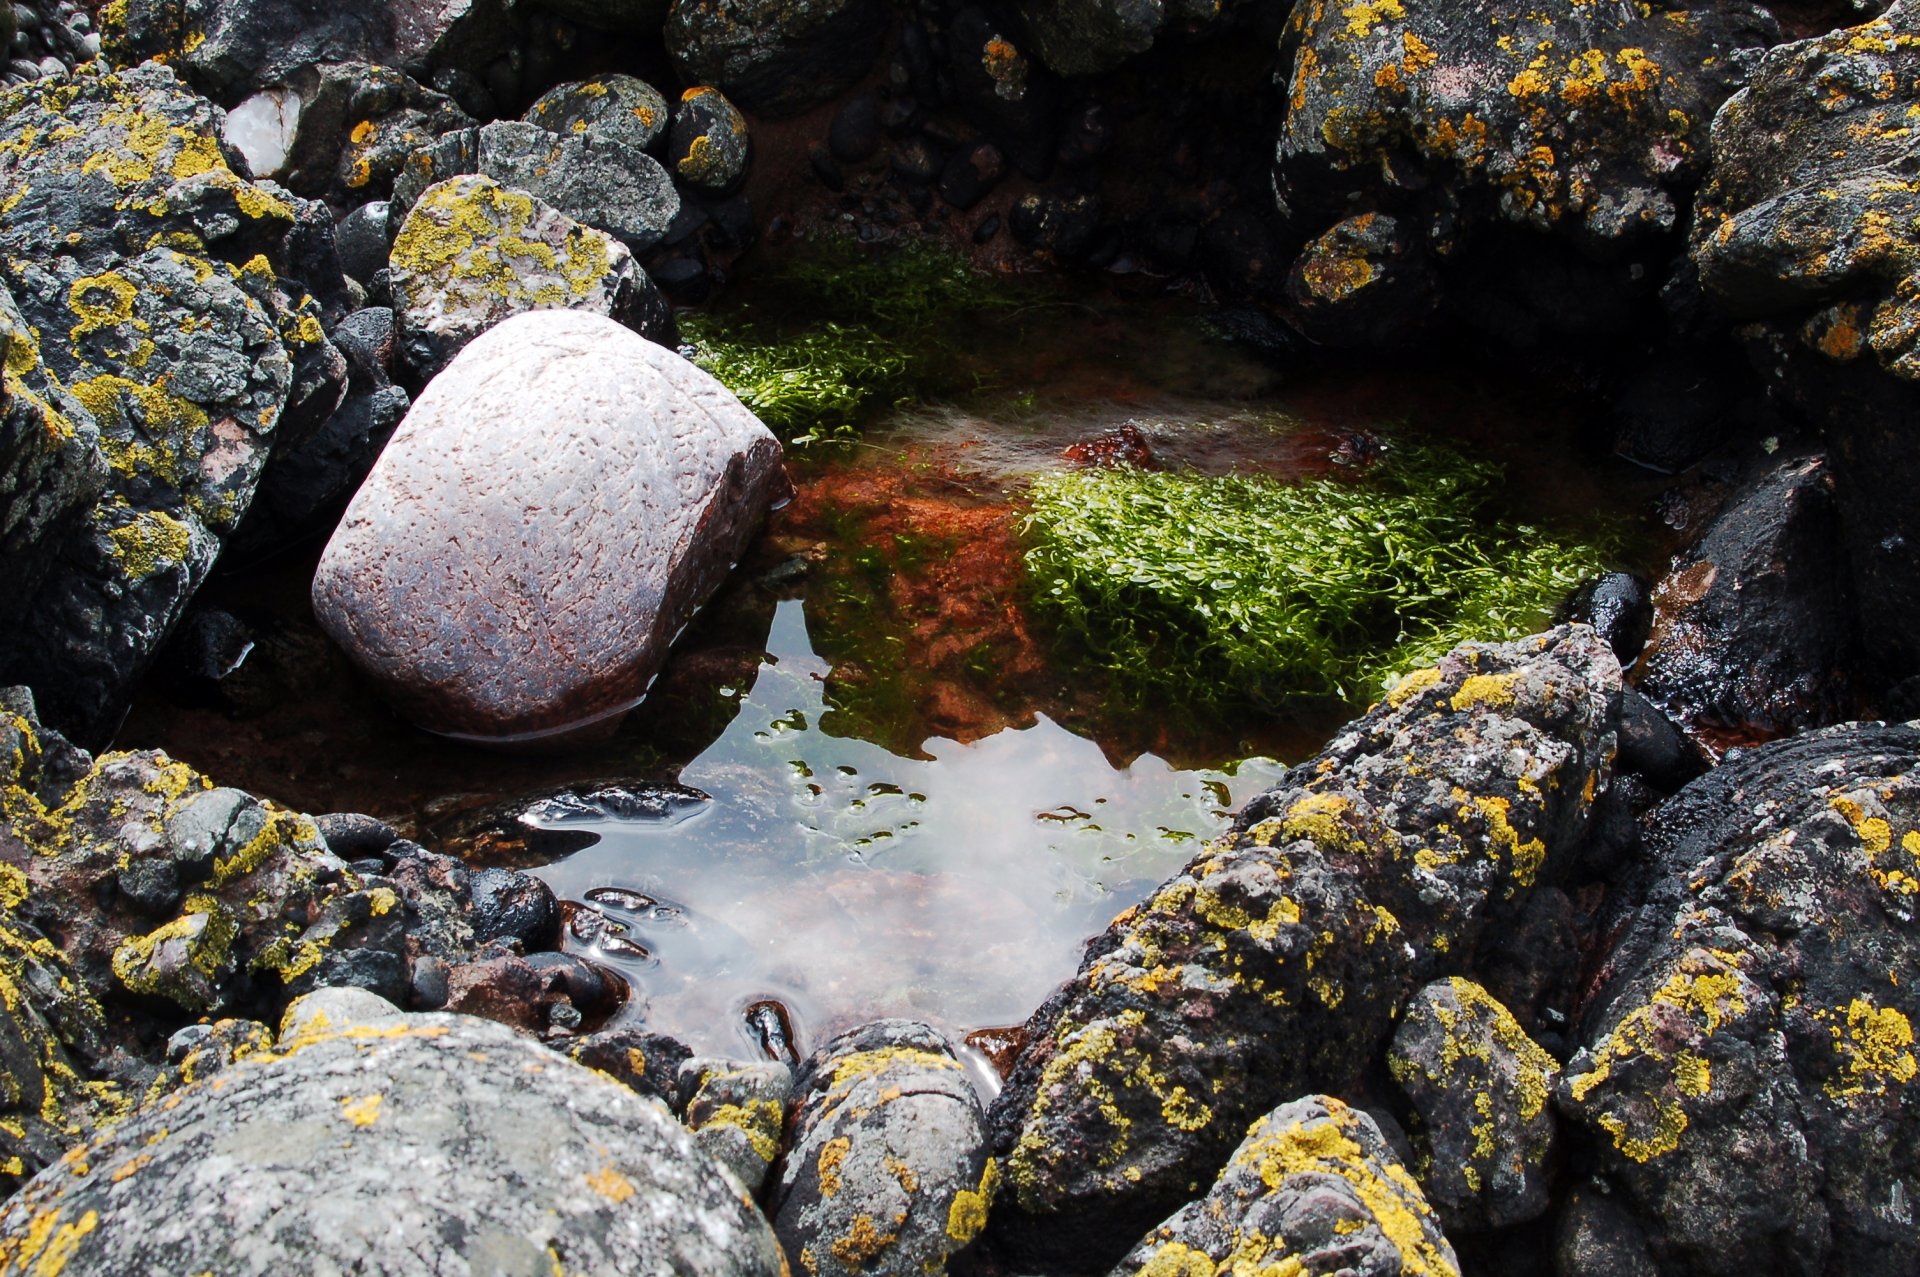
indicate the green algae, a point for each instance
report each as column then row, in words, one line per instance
column 1216, row 590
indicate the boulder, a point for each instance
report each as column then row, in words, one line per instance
column 394, row 1147
column 472, row 253
column 709, row 145
column 776, row 57
column 1752, row 635
column 650, row 1063
column 614, row 111
column 1275, row 963
column 737, row 1111
column 888, row 1169
column 1481, row 1090
column 1088, row 37
column 1365, row 282
column 623, row 192
column 555, row 507
column 1314, row 1188
column 1747, row 1075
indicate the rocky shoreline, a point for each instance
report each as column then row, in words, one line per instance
column 1589, row 952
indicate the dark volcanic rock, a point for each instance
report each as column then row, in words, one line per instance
column 1086, row 37
column 650, row 1063
column 1752, row 634
column 380, row 1147
column 888, row 1169
column 776, row 57
column 709, row 143
column 1748, row 1075
column 615, row 111
column 737, row 1112
column 1619, row 607
column 1314, row 1188
column 631, row 456
column 1365, row 282
column 1274, row 964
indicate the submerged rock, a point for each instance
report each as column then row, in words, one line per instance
column 776, row 57
column 1275, row 962
column 1748, row 1076
column 1314, row 1188
column 888, row 1169
column 555, row 507
column 393, row 1147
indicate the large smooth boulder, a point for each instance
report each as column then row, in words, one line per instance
column 554, row 508
column 1275, row 963
column 776, row 57
column 1749, row 1082
column 473, row 252
column 395, row 1146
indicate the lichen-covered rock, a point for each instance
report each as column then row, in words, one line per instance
column 648, row 1062
column 1753, row 635
column 624, row 192
column 615, row 111
column 395, row 1147
column 888, row 1169
column 737, row 1111
column 1274, row 963
column 1365, row 282
column 1314, row 1188
column 709, row 144
column 1480, row 1088
column 1749, row 1079
column 472, row 253
column 776, row 57
column 620, row 451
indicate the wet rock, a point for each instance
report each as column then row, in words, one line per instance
column 642, row 460
column 737, row 1111
column 1314, row 1188
column 1063, row 226
column 888, row 1169
column 1652, row 745
column 514, row 906
column 1746, row 1075
column 1672, row 412
column 648, row 1062
column 1619, row 607
column 775, row 57
column 615, row 111
column 504, row 987
column 1365, row 282
column 1481, row 1089
column 472, row 253
column 709, row 144
column 1275, row 963
column 971, row 174
column 374, row 1149
column 1752, row 636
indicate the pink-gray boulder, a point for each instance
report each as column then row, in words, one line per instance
column 556, row 506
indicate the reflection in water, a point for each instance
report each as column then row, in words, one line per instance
column 842, row 881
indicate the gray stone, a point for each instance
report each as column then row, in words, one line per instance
column 888, row 1169
column 396, row 1148
column 776, row 57
column 326, row 1011
column 737, row 1111
column 472, row 252
column 624, row 192
column 614, row 110
column 555, row 507
column 1314, row 1188
column 709, row 146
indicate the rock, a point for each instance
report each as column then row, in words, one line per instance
column 1002, row 90
column 1481, row 1090
column 1752, row 636
column 1365, row 282
column 1063, row 226
column 737, row 1112
column 648, row 1062
column 1746, row 1078
column 1653, row 746
column 888, row 1169
column 330, row 1011
column 614, row 111
column 198, row 1051
column 775, row 57
column 1619, row 607
column 514, row 906
column 358, row 126
column 709, row 146
column 625, row 193
column 1088, row 37
column 433, row 1136
column 1314, row 1188
column 662, row 471
column 365, row 238
column 1673, row 410
column 855, row 135
column 1275, row 962
column 971, row 174
column 472, row 253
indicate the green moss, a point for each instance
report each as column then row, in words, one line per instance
column 1242, row 589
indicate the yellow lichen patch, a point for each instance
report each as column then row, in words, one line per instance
column 759, row 1120
column 362, row 1110
column 99, row 302
column 1365, row 15
column 1895, row 870
column 967, row 1216
column 1875, row 1048
column 154, row 541
column 1412, row 685
column 1177, row 1259
column 1320, row 818
column 361, row 133
column 611, row 1184
column 1526, row 858
column 864, row 1242
column 832, row 1155
column 1492, row 690
column 45, row 1246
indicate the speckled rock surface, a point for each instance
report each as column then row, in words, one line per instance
column 1274, row 963
column 472, row 253
column 1750, row 1079
column 1364, row 282
column 737, row 1111
column 1314, row 1188
column 888, row 1169
column 613, row 110
column 1480, row 1090
column 709, row 145
column 356, row 123
column 775, row 57
column 395, row 1148
column 624, row 192
column 645, row 478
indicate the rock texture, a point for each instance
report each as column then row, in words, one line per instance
column 709, row 145
column 1314, row 1188
column 1748, row 1079
column 552, row 511
column 614, row 110
column 472, row 252
column 737, row 1112
column 393, row 1147
column 888, row 1168
column 775, row 57
column 1275, row 962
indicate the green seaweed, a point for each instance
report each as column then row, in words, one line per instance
column 1214, row 590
